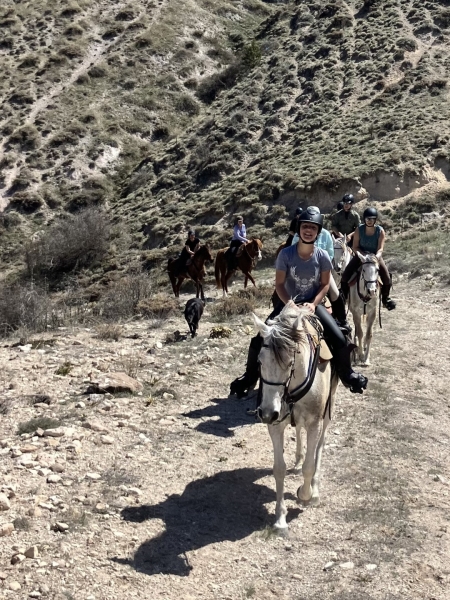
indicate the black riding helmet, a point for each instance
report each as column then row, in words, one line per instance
column 340, row 205
column 191, row 232
column 348, row 198
column 311, row 215
column 298, row 211
column 370, row 213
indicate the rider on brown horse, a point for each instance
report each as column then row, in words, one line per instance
column 191, row 246
column 239, row 238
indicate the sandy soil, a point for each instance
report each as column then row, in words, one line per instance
column 172, row 496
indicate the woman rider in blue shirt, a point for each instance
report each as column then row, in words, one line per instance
column 369, row 238
column 303, row 274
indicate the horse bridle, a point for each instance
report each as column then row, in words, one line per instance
column 367, row 297
column 290, row 398
column 343, row 247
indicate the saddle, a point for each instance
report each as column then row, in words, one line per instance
column 325, row 352
column 240, row 250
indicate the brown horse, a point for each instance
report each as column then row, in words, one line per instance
column 195, row 271
column 251, row 252
column 280, row 248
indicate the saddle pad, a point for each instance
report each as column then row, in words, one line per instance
column 325, row 353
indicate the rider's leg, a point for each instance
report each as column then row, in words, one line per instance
column 338, row 307
column 346, row 275
column 244, row 384
column 386, row 287
column 341, row 350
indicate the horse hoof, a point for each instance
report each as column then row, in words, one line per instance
column 314, row 502
column 280, row 531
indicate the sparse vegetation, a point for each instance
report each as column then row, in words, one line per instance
column 38, row 423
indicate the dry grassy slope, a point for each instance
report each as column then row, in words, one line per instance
column 89, row 86
column 345, row 91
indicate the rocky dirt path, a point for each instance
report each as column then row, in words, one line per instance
column 168, row 493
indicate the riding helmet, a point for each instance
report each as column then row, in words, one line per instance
column 191, row 232
column 348, row 199
column 298, row 211
column 340, row 205
column 312, row 215
column 370, row 213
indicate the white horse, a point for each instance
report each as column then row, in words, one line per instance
column 286, row 358
column 363, row 300
column 342, row 256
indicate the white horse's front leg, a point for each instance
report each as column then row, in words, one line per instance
column 279, row 471
column 359, row 335
column 368, row 339
column 300, row 448
column 305, row 492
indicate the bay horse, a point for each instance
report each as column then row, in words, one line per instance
column 195, row 271
column 362, row 302
column 251, row 253
column 285, row 361
column 342, row 256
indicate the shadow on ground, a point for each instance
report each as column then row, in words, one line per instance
column 231, row 413
column 227, row 506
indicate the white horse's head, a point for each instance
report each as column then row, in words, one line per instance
column 369, row 273
column 281, row 340
column 341, row 255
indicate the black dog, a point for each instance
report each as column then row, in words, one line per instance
column 192, row 313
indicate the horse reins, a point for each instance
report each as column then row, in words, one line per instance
column 290, row 398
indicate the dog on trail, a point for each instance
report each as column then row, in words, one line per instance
column 192, row 313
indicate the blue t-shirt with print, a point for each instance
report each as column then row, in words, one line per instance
column 302, row 276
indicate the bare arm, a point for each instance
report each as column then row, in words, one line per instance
column 356, row 247
column 381, row 241
column 280, row 278
column 324, row 287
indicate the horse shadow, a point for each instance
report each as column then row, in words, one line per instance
column 228, row 506
column 231, row 414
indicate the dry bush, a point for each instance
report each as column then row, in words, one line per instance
column 123, row 297
column 262, row 294
column 26, row 306
column 160, row 306
column 109, row 331
column 71, row 244
column 233, row 305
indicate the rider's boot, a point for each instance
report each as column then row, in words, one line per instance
column 345, row 290
column 387, row 302
column 338, row 308
column 355, row 382
column 246, row 383
column 341, row 350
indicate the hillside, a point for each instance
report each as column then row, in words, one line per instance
column 347, row 96
column 176, row 114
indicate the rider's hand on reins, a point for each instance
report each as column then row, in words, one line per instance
column 310, row 306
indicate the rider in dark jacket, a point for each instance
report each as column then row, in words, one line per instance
column 293, row 227
column 190, row 248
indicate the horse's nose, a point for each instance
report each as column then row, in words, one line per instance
column 267, row 417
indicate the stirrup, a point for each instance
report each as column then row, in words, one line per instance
column 389, row 304
column 356, row 383
column 344, row 326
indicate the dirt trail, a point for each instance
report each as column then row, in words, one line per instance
column 185, row 498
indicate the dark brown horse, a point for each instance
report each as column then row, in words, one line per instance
column 195, row 271
column 248, row 254
column 280, row 248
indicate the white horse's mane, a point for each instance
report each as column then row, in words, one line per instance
column 284, row 335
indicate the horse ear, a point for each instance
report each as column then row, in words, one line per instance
column 298, row 323
column 262, row 327
column 360, row 256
